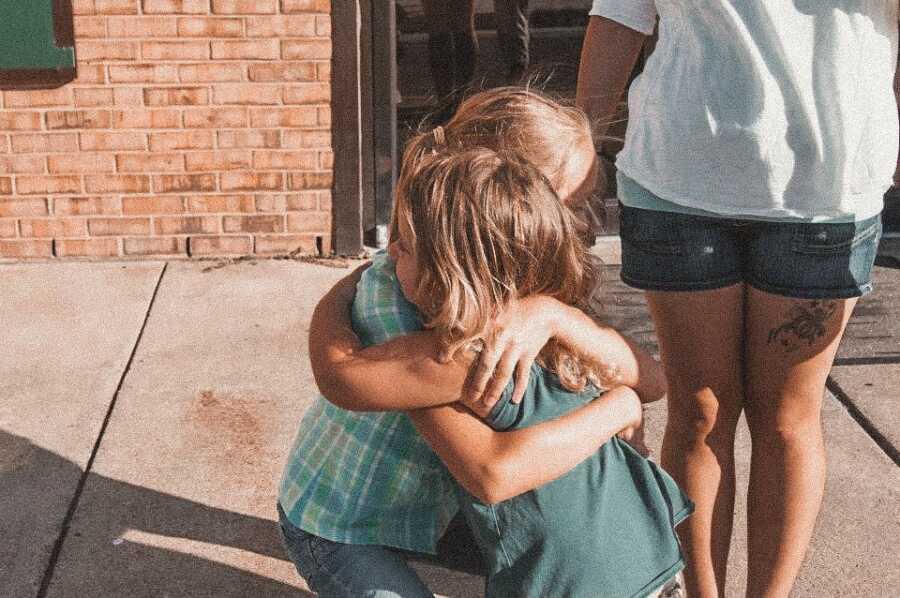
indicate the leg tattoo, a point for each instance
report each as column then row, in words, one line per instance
column 805, row 323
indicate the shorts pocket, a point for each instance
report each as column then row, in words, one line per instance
column 825, row 239
column 652, row 231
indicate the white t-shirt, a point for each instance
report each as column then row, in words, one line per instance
column 766, row 108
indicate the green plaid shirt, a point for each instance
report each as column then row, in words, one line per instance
column 369, row 478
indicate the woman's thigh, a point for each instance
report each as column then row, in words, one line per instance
column 336, row 570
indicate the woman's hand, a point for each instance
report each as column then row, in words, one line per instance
column 519, row 334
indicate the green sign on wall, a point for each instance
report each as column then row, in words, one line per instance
column 37, row 43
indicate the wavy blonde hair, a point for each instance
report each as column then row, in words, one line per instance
column 486, row 228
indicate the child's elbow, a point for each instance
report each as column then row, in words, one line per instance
column 493, row 482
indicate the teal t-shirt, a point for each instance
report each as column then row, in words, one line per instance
column 603, row 530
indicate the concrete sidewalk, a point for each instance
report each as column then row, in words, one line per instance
column 147, row 409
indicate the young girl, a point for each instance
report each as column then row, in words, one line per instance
column 358, row 486
column 477, row 229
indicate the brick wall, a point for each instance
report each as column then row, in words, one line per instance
column 195, row 127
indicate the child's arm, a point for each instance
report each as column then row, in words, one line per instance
column 602, row 344
column 494, row 466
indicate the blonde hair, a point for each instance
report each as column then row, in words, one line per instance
column 486, row 228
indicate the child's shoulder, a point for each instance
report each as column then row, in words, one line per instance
column 380, row 311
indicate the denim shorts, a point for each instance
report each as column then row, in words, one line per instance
column 667, row 251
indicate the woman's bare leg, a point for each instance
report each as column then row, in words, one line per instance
column 791, row 344
column 701, row 344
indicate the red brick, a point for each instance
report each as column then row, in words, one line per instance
column 324, row 200
column 247, row 94
column 210, row 27
column 262, row 138
column 305, row 200
column 80, row 162
column 23, row 207
column 155, row 245
column 53, row 227
column 306, row 139
column 174, row 183
column 24, row 164
column 312, row 93
column 90, row 27
column 246, row 50
column 251, row 181
column 220, row 245
column 61, row 96
column 29, row 248
column 116, row 7
column 217, row 160
column 244, row 7
column 123, row 183
column 289, row 6
column 144, row 162
column 323, row 26
column 143, row 27
column 253, row 224
column 326, row 160
column 146, row 119
column 310, row 180
column 176, row 6
column 104, row 51
column 83, row 7
column 177, row 96
column 8, row 227
column 198, row 50
column 282, row 26
column 106, row 141
column 91, row 74
column 307, row 222
column 306, row 49
column 5, row 185
column 143, row 73
column 19, row 121
column 270, row 160
column 271, row 203
column 93, row 96
column 323, row 71
column 146, row 205
column 44, row 185
column 300, row 116
column 186, row 225
column 78, row 119
column 282, row 71
column 323, row 115
column 220, row 203
column 284, row 244
column 86, row 206
column 114, row 227
column 161, row 142
column 128, row 96
column 210, row 73
column 215, row 118
column 87, row 247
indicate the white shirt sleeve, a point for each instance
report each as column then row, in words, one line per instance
column 639, row 15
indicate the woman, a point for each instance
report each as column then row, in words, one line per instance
column 757, row 154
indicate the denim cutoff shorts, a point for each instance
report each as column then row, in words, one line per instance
column 667, row 251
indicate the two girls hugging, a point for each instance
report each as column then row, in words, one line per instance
column 464, row 370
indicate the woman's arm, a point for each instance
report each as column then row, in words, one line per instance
column 494, row 466
column 608, row 56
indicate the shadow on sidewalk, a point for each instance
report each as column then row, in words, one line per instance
column 129, row 533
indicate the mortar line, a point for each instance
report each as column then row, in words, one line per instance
column 79, row 489
column 865, row 423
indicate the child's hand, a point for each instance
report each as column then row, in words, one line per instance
column 635, row 437
column 519, row 334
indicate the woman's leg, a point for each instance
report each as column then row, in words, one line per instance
column 335, row 570
column 701, row 344
column 791, row 344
